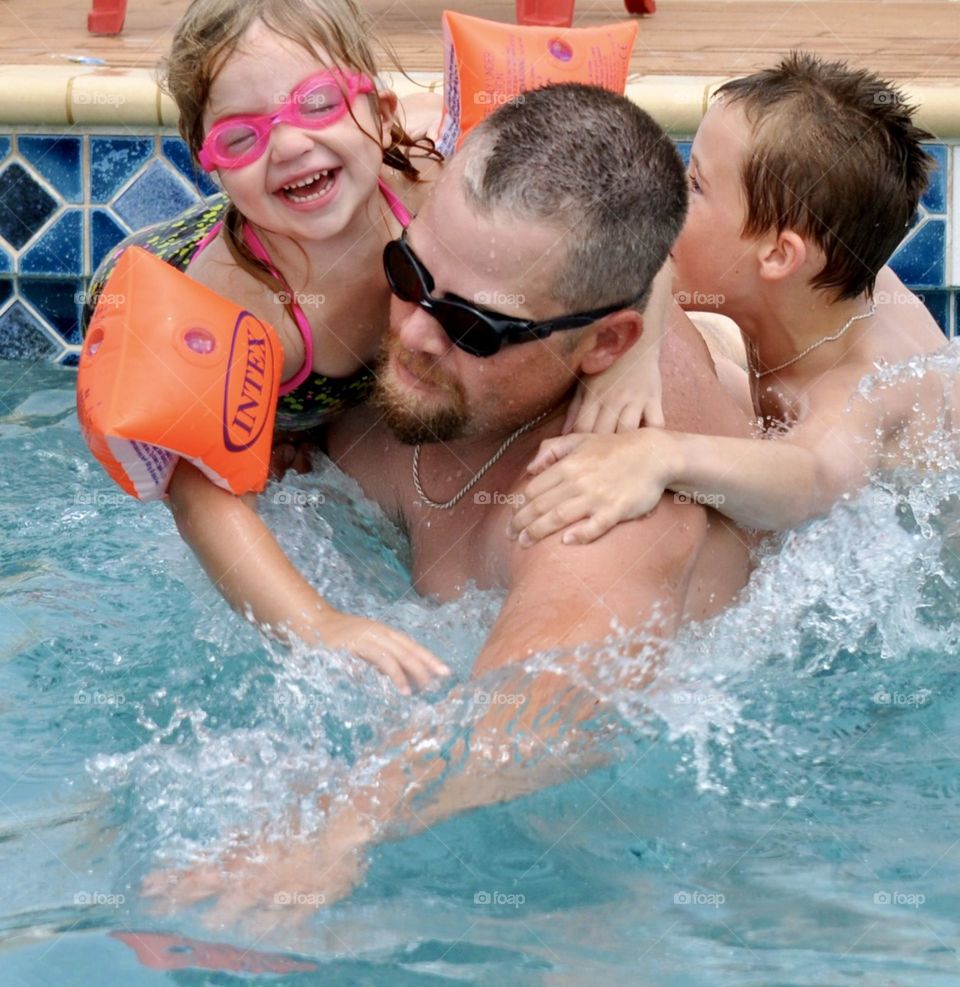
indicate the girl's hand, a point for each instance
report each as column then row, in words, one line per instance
column 590, row 483
column 398, row 656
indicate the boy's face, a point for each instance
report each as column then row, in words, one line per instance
column 714, row 269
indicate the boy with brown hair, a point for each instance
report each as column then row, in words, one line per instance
column 803, row 180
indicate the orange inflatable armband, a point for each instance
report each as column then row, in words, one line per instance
column 171, row 369
column 487, row 63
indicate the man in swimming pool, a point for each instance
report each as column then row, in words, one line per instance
column 535, row 223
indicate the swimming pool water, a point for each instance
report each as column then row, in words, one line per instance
column 785, row 809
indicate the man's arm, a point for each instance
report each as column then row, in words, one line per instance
column 450, row 759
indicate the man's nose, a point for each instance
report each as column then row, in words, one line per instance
column 417, row 330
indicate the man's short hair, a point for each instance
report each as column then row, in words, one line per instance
column 595, row 166
column 835, row 158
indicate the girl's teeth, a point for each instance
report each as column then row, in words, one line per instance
column 321, row 176
column 306, row 181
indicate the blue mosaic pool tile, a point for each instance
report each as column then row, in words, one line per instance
column 6, row 262
column 6, row 290
column 4, row 147
column 179, row 156
column 920, row 261
column 113, row 160
column 938, row 304
column 105, row 234
column 684, row 148
column 935, row 198
column 156, row 195
column 59, row 250
column 21, row 336
column 70, row 360
column 24, row 205
column 59, row 302
column 58, row 160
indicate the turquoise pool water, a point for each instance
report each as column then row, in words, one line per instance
column 785, row 810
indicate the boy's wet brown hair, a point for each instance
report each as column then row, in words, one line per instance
column 836, row 158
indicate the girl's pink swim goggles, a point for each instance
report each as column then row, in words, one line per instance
column 319, row 101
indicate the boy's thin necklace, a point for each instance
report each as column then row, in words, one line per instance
column 826, row 339
column 456, row 498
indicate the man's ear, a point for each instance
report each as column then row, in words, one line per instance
column 609, row 339
column 781, row 255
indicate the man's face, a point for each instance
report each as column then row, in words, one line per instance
column 712, row 259
column 430, row 389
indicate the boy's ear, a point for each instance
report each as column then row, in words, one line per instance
column 387, row 102
column 609, row 340
column 781, row 255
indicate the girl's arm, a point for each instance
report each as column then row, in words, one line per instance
column 251, row 571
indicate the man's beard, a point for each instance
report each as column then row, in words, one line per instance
column 414, row 425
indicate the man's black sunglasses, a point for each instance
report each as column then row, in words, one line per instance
column 477, row 330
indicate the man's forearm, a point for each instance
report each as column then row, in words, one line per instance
column 534, row 731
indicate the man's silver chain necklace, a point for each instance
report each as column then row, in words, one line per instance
column 457, row 497
column 826, row 339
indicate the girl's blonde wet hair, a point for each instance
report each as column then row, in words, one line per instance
column 212, row 30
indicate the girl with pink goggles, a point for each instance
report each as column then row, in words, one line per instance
column 317, row 102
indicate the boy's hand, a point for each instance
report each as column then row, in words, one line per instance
column 622, row 399
column 629, row 394
column 398, row 656
column 590, row 483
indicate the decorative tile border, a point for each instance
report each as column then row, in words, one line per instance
column 65, row 201
column 67, row 198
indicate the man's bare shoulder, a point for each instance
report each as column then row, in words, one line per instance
column 362, row 446
column 637, row 575
column 694, row 398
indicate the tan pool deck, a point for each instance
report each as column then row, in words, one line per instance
column 908, row 41
column 696, row 43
